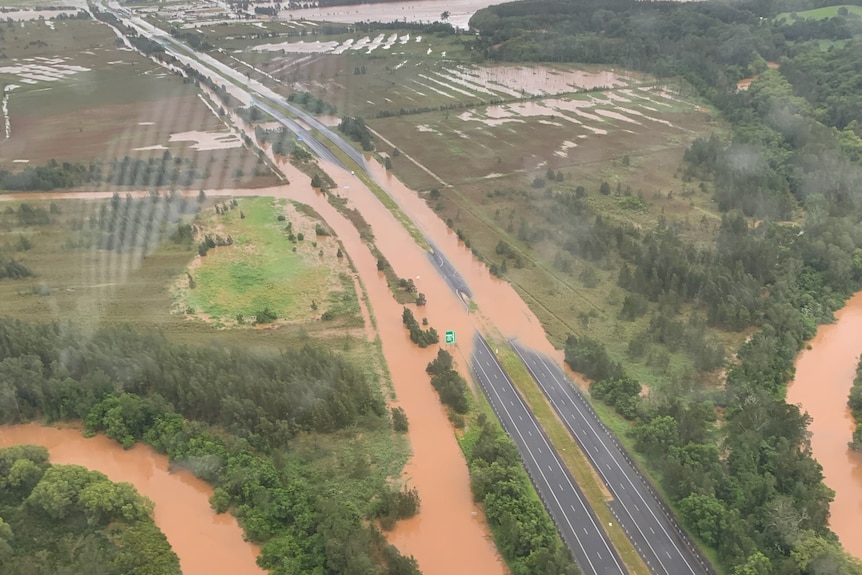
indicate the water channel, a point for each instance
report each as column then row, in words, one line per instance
column 824, row 375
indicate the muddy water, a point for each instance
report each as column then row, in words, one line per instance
column 449, row 534
column 824, row 375
column 206, row 543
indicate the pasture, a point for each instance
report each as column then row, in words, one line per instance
column 72, row 95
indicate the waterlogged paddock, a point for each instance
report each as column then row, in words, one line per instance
column 523, row 138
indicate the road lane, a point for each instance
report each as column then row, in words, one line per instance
column 567, row 505
column 646, row 520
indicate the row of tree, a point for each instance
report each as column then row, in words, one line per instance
column 523, row 530
column 419, row 336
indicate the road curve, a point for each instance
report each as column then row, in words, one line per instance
column 567, row 505
column 647, row 522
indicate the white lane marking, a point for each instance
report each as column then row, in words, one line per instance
column 553, row 493
column 589, row 422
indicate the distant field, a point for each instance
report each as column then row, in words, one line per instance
column 80, row 98
column 92, row 286
column 261, row 270
column 821, row 13
column 361, row 74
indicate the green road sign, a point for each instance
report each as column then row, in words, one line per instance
column 450, row 337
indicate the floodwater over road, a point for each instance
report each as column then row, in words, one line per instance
column 206, row 543
column 824, row 375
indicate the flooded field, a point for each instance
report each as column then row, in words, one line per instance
column 516, row 138
column 206, row 543
column 824, row 375
column 460, row 12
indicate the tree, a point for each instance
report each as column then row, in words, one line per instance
column 445, row 15
column 705, row 515
column 399, row 420
column 420, row 299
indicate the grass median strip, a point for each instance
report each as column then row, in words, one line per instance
column 571, row 454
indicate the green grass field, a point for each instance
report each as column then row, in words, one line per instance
column 821, row 13
column 261, row 270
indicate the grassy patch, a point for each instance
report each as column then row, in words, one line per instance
column 820, row 13
column 571, row 454
column 261, row 269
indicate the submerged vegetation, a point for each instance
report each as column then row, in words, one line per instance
column 64, row 519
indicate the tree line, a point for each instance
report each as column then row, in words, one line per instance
column 523, row 530
column 166, row 170
column 227, row 415
column 65, row 519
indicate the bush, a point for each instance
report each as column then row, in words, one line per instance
column 265, row 316
column 399, row 420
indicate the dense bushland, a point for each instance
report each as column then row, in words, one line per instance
column 229, row 416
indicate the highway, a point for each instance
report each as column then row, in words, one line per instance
column 445, row 268
column 639, row 511
column 658, row 539
column 256, row 93
column 567, row 505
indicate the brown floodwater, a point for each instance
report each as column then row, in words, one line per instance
column 824, row 375
column 450, row 534
column 205, row 542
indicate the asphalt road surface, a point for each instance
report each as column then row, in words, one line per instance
column 445, row 268
column 260, row 95
column 658, row 539
column 567, row 505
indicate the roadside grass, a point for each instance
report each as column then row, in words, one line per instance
column 576, row 462
column 820, row 13
column 261, row 270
